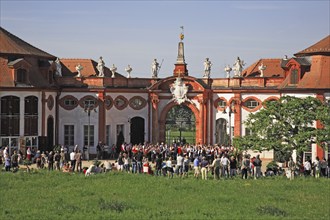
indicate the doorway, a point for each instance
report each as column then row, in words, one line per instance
column 137, row 130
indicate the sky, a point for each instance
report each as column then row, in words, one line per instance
column 136, row 32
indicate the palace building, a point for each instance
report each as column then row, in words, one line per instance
column 47, row 101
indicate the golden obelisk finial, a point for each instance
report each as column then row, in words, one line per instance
column 182, row 34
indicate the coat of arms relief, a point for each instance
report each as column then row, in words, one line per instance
column 179, row 91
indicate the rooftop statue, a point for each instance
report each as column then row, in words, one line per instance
column 207, row 68
column 100, row 67
column 79, row 68
column 58, row 67
column 113, row 70
column 128, row 69
column 238, row 67
column 261, row 68
column 154, row 68
column 228, row 69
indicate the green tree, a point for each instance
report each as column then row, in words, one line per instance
column 286, row 125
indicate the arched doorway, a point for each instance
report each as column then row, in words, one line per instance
column 137, row 130
column 221, row 136
column 50, row 132
column 180, row 125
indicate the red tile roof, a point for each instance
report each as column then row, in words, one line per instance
column 320, row 48
column 273, row 68
column 319, row 74
column 89, row 68
column 11, row 44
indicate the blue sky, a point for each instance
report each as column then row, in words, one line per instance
column 136, row 32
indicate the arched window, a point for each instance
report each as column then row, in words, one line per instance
column 10, row 111
column 31, row 116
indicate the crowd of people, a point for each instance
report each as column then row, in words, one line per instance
column 204, row 161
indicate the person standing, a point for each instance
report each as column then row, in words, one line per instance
column 50, row 161
column 245, row 166
column 216, row 167
column 233, row 166
column 224, row 165
column 291, row 168
column 317, row 167
column 196, row 167
column 257, row 167
column 57, row 158
column 204, row 167
column 307, row 168
column 14, row 160
column 78, row 158
column 73, row 160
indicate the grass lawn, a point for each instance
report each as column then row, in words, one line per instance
column 55, row 195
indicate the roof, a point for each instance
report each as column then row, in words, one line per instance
column 273, row 68
column 11, row 44
column 89, row 68
column 319, row 74
column 320, row 48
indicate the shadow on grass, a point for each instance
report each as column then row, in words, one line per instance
column 271, row 210
column 113, row 205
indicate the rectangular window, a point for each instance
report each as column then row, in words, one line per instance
column 120, row 128
column 91, row 135
column 69, row 135
column 21, row 75
column 248, row 131
column 294, row 76
column 308, row 153
column 107, row 135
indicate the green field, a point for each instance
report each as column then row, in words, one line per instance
column 55, row 195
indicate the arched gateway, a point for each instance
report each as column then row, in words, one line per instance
column 194, row 96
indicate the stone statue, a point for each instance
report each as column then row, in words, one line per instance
column 100, row 67
column 261, row 68
column 58, row 67
column 228, row 69
column 79, row 68
column 128, row 69
column 113, row 70
column 207, row 68
column 238, row 67
column 154, row 68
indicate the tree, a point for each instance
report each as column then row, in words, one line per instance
column 285, row 125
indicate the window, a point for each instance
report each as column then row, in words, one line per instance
column 248, row 131
column 68, row 135
column 10, row 116
column 91, row 135
column 31, row 116
column 89, row 102
column 107, row 135
column 251, row 103
column 70, row 102
column 21, row 76
column 294, row 76
column 222, row 103
column 308, row 153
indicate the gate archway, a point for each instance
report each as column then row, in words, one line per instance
column 163, row 116
column 180, row 125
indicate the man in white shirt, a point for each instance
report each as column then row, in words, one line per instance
column 73, row 160
column 224, row 165
column 307, row 168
